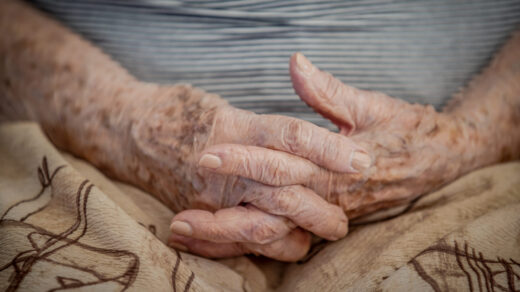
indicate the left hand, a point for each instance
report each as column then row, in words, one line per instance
column 414, row 150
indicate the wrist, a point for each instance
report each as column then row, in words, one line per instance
column 490, row 107
column 483, row 140
column 166, row 129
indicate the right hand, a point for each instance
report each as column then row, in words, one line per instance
column 167, row 142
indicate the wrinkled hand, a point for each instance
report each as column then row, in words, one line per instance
column 168, row 146
column 414, row 149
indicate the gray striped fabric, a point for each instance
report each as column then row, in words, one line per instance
column 421, row 51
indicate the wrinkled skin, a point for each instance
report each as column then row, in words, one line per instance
column 250, row 183
column 414, row 150
column 409, row 144
column 166, row 143
column 151, row 135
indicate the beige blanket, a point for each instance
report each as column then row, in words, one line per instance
column 64, row 226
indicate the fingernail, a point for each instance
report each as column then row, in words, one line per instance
column 181, row 228
column 178, row 246
column 210, row 161
column 360, row 161
column 304, row 65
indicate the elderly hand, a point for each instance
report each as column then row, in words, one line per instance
column 264, row 174
column 169, row 142
column 414, row 149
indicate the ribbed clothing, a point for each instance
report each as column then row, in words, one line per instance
column 421, row 51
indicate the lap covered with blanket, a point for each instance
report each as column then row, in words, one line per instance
column 64, row 225
column 244, row 182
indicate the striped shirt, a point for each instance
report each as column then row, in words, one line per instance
column 421, row 51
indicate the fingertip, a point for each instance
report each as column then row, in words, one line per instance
column 188, row 222
column 300, row 69
column 341, row 229
column 221, row 158
column 178, row 242
column 344, row 156
column 299, row 250
column 211, row 161
column 336, row 226
column 360, row 161
column 302, row 64
column 340, row 232
column 293, row 61
column 181, row 227
column 206, row 248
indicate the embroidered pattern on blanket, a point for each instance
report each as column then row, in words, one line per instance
column 47, row 245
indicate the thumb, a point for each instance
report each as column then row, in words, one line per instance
column 351, row 109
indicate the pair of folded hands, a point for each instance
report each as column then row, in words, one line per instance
column 261, row 184
column 242, row 182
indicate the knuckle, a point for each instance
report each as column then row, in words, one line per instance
column 248, row 166
column 271, row 171
column 328, row 150
column 332, row 148
column 294, row 134
column 223, row 117
column 266, row 171
column 276, row 172
column 262, row 233
column 288, row 200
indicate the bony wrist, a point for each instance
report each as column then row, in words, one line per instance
column 169, row 127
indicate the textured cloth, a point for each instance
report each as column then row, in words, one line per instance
column 63, row 225
column 421, row 51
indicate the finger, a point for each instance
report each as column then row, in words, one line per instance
column 304, row 207
column 236, row 224
column 271, row 167
column 348, row 107
column 291, row 247
column 206, row 248
column 263, row 165
column 330, row 150
column 256, row 165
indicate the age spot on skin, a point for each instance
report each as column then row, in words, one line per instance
column 454, row 136
column 433, row 131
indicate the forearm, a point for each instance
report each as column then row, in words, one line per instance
column 60, row 80
column 489, row 109
column 89, row 105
